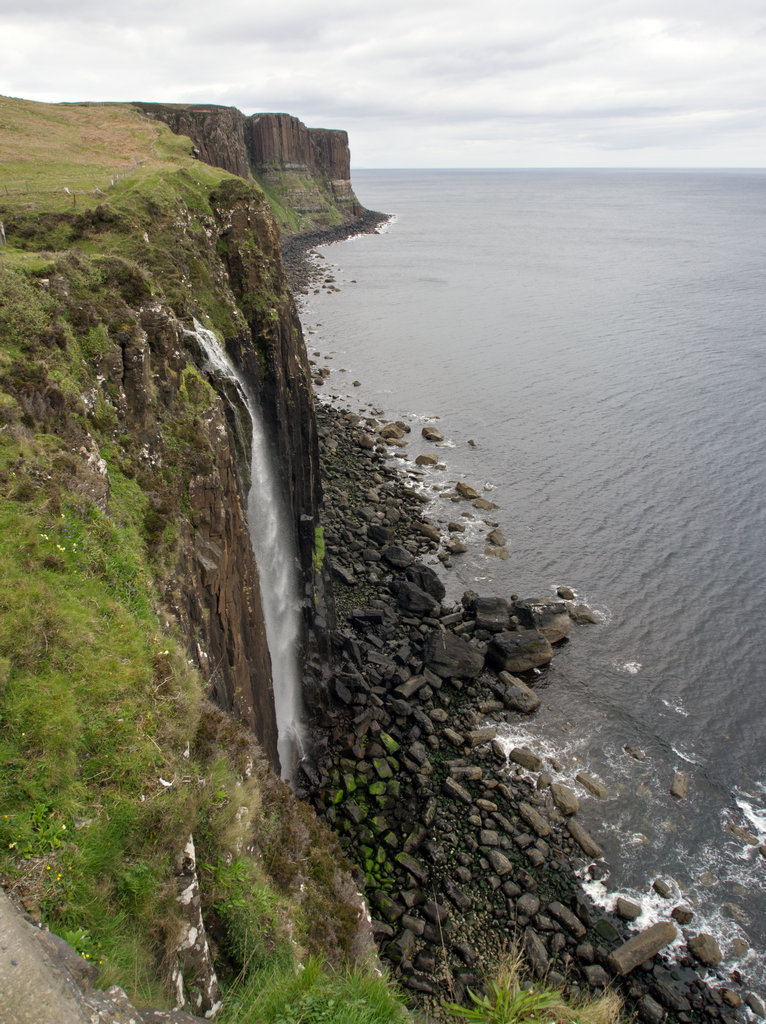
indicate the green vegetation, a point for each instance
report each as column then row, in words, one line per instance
column 510, row 1000
column 110, row 753
column 312, row 995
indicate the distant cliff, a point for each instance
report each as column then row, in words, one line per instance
column 306, row 172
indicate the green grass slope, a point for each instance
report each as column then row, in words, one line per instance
column 110, row 752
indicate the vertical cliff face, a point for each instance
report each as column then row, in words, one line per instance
column 307, row 171
column 271, row 352
column 217, row 132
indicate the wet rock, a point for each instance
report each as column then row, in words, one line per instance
column 682, row 915
column 397, row 556
column 414, row 600
column 596, row 976
column 492, row 614
column 635, row 752
column 426, row 579
column 679, row 787
column 466, row 491
column 548, row 617
column 641, row 947
column 519, row 651
column 534, row 819
column 627, row 910
column 565, row 593
column 432, row 434
column 564, row 798
column 455, row 791
column 584, row 839
column 451, row 657
column 526, row 758
column 517, row 695
column 662, row 888
column 705, row 949
column 593, row 786
column 427, row 459
column 582, row 615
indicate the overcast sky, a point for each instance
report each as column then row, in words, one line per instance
column 427, row 83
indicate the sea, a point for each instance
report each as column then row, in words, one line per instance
column 592, row 346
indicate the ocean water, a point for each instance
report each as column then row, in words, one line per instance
column 601, row 338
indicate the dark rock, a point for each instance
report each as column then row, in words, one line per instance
column 650, row 1010
column 455, row 791
column 397, row 556
column 682, row 915
column 415, row 600
column 570, row 921
column 426, row 579
column 548, row 617
column 526, row 758
column 516, row 695
column 499, row 862
column 492, row 614
column 705, row 949
column 451, row 657
column 627, row 910
column 537, row 954
column 519, row 651
column 596, row 976
column 641, row 947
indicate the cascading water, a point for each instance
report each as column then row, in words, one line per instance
column 272, row 539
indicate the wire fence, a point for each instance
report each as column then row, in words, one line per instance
column 29, row 188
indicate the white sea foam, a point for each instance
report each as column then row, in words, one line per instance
column 631, row 667
column 754, row 809
column 676, row 706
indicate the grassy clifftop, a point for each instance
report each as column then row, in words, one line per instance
column 111, row 752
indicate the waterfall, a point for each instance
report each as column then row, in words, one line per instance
column 271, row 535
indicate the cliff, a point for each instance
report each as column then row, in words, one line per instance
column 142, row 818
column 306, row 172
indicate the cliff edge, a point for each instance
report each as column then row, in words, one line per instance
column 305, row 172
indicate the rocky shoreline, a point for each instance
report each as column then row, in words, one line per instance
column 298, row 251
column 463, row 848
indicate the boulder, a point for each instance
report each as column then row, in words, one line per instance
column 425, row 578
column 594, row 787
column 432, row 434
column 392, row 430
column 641, row 947
column 397, row 556
column 427, row 459
column 492, row 614
column 565, row 593
column 449, row 656
column 548, row 617
column 565, row 799
column 526, row 758
column 466, row 491
column 679, row 787
column 414, row 600
column 517, row 695
column 582, row 615
column 705, row 949
column 519, row 651
column 534, row 819
column 584, row 839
